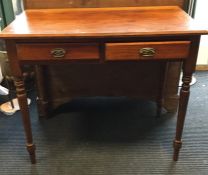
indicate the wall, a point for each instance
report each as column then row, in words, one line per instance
column 202, row 16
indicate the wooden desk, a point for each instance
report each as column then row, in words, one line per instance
column 100, row 36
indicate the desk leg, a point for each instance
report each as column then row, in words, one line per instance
column 188, row 69
column 21, row 95
column 183, row 103
column 22, row 99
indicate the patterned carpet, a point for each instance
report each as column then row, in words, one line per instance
column 105, row 136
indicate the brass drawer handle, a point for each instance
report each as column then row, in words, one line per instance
column 147, row 52
column 58, row 52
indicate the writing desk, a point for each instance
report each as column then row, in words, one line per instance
column 102, row 35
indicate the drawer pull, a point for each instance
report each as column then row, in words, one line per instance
column 147, row 52
column 58, row 52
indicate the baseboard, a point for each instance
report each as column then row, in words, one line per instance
column 202, row 67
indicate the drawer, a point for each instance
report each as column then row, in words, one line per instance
column 58, row 51
column 147, row 50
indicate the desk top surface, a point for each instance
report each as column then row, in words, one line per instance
column 102, row 22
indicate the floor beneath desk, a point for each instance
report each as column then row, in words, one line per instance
column 109, row 137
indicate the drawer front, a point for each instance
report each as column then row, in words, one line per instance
column 59, row 51
column 147, row 50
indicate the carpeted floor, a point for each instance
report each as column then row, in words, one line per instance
column 102, row 136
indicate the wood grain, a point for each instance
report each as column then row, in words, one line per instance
column 74, row 51
column 163, row 50
column 103, row 22
column 99, row 3
column 56, row 80
column 104, row 25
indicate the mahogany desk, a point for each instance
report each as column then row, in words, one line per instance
column 102, row 35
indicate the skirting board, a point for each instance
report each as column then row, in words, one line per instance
column 202, row 67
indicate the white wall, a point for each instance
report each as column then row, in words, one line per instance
column 202, row 17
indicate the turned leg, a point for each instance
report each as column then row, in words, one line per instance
column 22, row 99
column 183, row 103
column 188, row 69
